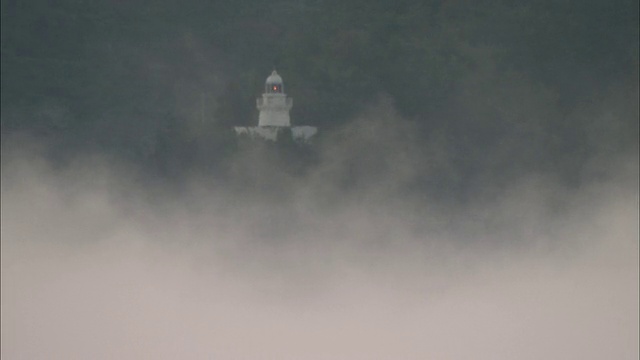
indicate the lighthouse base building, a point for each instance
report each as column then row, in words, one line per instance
column 274, row 120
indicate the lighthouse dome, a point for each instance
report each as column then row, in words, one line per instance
column 274, row 78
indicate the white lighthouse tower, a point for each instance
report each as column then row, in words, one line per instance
column 274, row 105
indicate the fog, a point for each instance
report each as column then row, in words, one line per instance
column 345, row 261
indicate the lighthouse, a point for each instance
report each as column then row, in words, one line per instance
column 274, row 120
column 274, row 105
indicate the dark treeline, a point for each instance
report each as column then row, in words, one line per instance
column 506, row 85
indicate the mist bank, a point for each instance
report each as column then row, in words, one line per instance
column 96, row 264
column 372, row 244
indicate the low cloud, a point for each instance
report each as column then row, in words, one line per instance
column 345, row 261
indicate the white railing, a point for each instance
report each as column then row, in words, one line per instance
column 274, row 102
